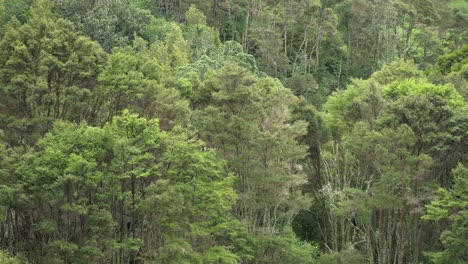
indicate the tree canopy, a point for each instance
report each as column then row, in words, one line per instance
column 252, row 132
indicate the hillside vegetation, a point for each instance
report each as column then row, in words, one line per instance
column 253, row 132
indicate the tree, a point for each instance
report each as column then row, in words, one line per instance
column 451, row 205
column 266, row 42
column 136, row 78
column 202, row 40
column 248, row 121
column 49, row 72
column 89, row 194
column 177, row 47
column 110, row 23
column 389, row 133
column 452, row 68
column 12, row 8
column 186, row 209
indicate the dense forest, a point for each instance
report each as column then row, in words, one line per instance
column 234, row 131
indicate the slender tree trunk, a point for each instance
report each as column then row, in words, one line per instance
column 245, row 33
column 318, row 40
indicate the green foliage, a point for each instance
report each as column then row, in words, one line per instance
column 14, row 8
column 451, row 204
column 104, row 106
column 202, row 39
column 233, row 52
column 5, row 258
column 351, row 256
column 397, row 71
column 285, row 249
column 246, row 111
column 177, row 47
column 363, row 100
column 189, row 204
column 452, row 62
column 459, row 4
column 394, row 127
column 49, row 72
column 93, row 176
column 220, row 255
column 137, row 78
column 193, row 16
column 111, row 23
column 413, row 87
column 452, row 68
